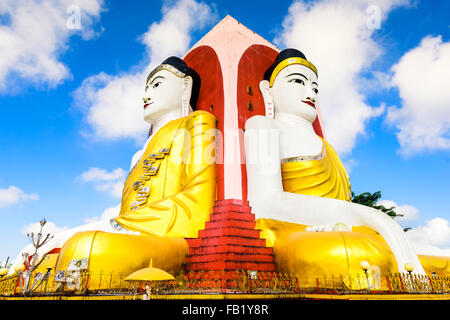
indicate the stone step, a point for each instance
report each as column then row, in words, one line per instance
column 230, row 223
column 232, row 265
column 231, row 231
column 229, row 249
column 220, row 274
column 229, row 242
column 230, row 257
column 194, row 242
column 232, row 207
column 232, row 215
column 232, row 201
column 234, row 240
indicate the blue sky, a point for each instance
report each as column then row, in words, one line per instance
column 385, row 105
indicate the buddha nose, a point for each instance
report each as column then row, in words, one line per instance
column 311, row 98
column 311, row 95
column 146, row 99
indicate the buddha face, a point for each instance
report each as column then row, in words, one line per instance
column 294, row 91
column 164, row 93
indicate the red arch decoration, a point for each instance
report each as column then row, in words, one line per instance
column 205, row 62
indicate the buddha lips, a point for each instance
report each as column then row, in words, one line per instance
column 309, row 103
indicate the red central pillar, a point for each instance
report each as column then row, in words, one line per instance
column 231, row 61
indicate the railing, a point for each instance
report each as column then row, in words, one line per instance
column 238, row 281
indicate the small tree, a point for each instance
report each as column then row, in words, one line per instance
column 33, row 263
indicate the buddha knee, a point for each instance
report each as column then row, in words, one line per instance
column 326, row 254
column 121, row 253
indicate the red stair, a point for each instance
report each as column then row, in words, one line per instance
column 229, row 242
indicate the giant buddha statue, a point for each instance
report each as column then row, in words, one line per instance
column 295, row 183
column 297, row 186
column 171, row 187
column 168, row 194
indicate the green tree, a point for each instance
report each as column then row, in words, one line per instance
column 371, row 200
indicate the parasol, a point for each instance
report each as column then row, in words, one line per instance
column 150, row 274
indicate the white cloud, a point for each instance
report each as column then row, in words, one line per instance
column 421, row 75
column 107, row 214
column 433, row 238
column 334, row 35
column 105, row 181
column 409, row 213
column 171, row 36
column 13, row 195
column 112, row 105
column 35, row 35
column 49, row 227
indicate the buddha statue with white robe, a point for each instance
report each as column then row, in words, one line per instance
column 298, row 185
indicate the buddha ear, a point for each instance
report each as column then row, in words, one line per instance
column 264, row 87
column 186, row 97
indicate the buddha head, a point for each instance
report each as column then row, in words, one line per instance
column 168, row 90
column 290, row 86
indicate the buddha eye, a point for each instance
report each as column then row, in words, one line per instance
column 156, row 84
column 300, row 81
column 315, row 90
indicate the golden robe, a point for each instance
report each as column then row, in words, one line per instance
column 171, row 190
column 322, row 175
column 168, row 196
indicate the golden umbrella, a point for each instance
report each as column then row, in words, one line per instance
column 150, row 274
column 3, row 272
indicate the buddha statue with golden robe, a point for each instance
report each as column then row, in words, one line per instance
column 168, row 194
column 170, row 190
column 298, row 185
